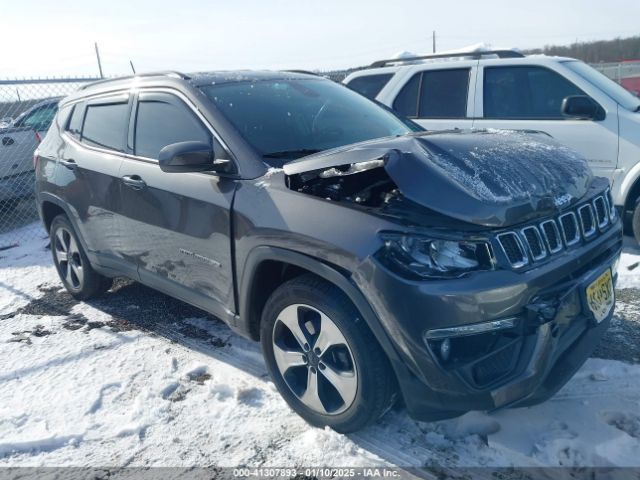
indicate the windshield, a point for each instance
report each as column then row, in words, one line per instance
column 287, row 119
column 611, row 88
column 39, row 118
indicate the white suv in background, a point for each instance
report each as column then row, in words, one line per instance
column 563, row 97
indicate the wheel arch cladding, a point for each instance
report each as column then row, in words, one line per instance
column 50, row 210
column 267, row 276
column 50, row 207
column 266, row 264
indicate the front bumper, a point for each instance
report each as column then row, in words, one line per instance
column 554, row 331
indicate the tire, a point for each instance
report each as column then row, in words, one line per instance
column 349, row 356
column 72, row 264
column 635, row 222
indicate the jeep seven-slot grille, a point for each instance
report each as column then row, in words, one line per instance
column 587, row 222
column 535, row 242
column 552, row 235
column 569, row 228
column 610, row 206
column 513, row 249
column 600, row 206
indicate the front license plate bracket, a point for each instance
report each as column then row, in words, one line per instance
column 600, row 296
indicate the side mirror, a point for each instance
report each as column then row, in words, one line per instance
column 582, row 107
column 191, row 157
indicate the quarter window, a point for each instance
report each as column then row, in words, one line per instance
column 406, row 103
column 435, row 94
column 369, row 85
column 105, row 125
column 162, row 120
column 74, row 126
column 525, row 92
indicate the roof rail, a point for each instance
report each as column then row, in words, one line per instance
column 164, row 73
column 474, row 55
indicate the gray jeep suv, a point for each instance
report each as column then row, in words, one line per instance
column 373, row 261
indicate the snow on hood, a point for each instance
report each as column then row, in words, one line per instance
column 490, row 177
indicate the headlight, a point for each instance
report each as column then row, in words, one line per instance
column 422, row 257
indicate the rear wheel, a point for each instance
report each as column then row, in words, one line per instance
column 322, row 356
column 73, row 266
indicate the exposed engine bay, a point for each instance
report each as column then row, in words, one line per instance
column 365, row 183
column 491, row 179
column 368, row 185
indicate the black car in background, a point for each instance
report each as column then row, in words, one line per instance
column 457, row 270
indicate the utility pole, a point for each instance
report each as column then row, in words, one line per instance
column 132, row 67
column 98, row 57
column 434, row 41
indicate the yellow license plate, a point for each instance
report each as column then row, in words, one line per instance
column 600, row 296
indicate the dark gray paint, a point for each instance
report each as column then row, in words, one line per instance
column 233, row 224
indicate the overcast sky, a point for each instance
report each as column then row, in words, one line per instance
column 56, row 38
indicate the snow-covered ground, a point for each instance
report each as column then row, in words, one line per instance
column 138, row 378
column 629, row 267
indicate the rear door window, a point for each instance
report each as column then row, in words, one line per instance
column 444, row 93
column 435, row 94
column 370, row 85
column 163, row 119
column 525, row 92
column 105, row 125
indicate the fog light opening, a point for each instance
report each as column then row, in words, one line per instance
column 456, row 347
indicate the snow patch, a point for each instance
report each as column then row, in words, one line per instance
column 629, row 266
column 98, row 396
column 265, row 180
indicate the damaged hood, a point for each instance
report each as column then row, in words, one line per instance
column 492, row 178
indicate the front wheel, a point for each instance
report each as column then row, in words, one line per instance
column 73, row 266
column 323, row 358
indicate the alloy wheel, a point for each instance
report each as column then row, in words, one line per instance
column 315, row 359
column 68, row 258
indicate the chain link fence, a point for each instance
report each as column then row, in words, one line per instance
column 620, row 70
column 626, row 74
column 27, row 108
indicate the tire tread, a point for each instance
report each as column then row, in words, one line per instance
column 381, row 391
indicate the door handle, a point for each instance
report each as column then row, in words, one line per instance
column 6, row 141
column 134, row 181
column 70, row 163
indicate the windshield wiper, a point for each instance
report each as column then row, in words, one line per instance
column 302, row 152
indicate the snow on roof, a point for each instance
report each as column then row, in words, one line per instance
column 470, row 49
